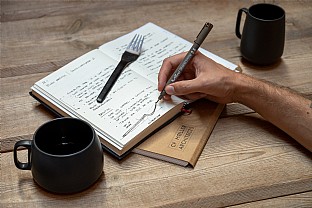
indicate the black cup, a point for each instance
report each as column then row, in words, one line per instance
column 65, row 155
column 263, row 37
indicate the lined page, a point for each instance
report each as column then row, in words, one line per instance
column 75, row 87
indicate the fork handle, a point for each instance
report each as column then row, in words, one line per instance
column 111, row 81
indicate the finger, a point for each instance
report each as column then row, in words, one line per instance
column 167, row 68
column 195, row 96
column 167, row 97
column 184, row 87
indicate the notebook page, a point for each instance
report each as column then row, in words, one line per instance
column 75, row 87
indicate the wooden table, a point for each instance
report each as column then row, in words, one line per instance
column 247, row 162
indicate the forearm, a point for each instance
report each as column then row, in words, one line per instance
column 285, row 109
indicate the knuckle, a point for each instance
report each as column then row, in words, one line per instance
column 166, row 60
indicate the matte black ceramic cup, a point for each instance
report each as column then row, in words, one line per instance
column 65, row 155
column 263, row 36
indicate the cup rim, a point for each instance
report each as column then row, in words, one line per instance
column 267, row 4
column 65, row 155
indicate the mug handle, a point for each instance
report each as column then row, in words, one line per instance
column 238, row 21
column 18, row 164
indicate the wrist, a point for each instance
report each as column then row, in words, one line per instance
column 245, row 88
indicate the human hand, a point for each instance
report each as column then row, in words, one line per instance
column 202, row 78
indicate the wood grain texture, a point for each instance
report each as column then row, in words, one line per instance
column 227, row 173
column 247, row 162
column 296, row 200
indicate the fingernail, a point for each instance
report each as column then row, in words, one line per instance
column 170, row 90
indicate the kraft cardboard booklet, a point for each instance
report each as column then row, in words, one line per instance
column 182, row 141
column 72, row 90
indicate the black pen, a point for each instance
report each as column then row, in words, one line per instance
column 199, row 40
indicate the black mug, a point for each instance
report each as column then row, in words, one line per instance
column 65, row 155
column 263, row 36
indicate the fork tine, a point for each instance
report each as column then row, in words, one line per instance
column 136, row 43
column 140, row 43
column 131, row 42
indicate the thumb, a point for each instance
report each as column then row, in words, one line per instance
column 183, row 87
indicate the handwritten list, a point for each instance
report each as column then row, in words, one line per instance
column 130, row 98
column 75, row 87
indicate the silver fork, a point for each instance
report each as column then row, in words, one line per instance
column 131, row 54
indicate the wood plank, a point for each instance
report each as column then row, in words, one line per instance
column 295, row 200
column 71, row 29
column 69, row 35
column 246, row 162
column 83, row 27
column 224, row 175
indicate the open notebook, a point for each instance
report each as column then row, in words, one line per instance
column 72, row 90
